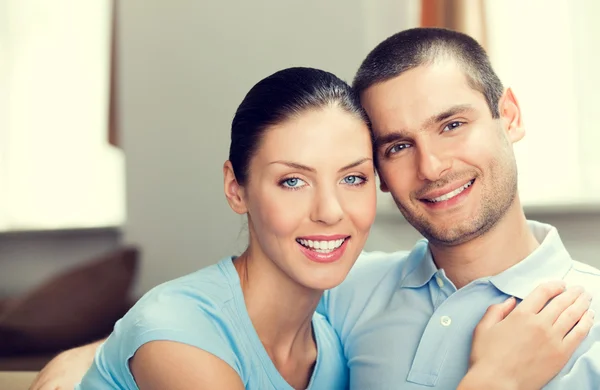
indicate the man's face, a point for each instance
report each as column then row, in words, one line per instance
column 447, row 162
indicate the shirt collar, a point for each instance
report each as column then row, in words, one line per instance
column 550, row 261
column 420, row 266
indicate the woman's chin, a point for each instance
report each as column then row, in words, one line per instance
column 326, row 280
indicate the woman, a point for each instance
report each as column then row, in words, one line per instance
column 301, row 167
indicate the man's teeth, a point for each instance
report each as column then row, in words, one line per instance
column 451, row 194
column 322, row 246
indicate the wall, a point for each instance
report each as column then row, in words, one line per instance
column 184, row 66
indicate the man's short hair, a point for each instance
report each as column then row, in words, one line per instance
column 411, row 48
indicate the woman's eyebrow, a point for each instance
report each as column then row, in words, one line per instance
column 355, row 164
column 303, row 167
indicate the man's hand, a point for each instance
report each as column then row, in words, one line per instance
column 525, row 347
column 66, row 370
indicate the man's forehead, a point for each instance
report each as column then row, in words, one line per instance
column 419, row 93
column 436, row 77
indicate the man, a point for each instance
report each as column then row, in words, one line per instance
column 443, row 128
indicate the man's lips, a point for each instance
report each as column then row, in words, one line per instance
column 446, row 192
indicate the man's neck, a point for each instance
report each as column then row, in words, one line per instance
column 504, row 245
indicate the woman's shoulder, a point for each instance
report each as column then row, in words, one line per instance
column 195, row 310
column 199, row 299
column 211, row 285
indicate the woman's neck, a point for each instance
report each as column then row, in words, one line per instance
column 281, row 311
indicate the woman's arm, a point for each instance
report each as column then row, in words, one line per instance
column 161, row 365
column 523, row 348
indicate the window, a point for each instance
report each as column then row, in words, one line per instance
column 57, row 168
column 548, row 53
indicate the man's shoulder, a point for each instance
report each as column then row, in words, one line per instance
column 376, row 263
column 373, row 279
column 372, row 267
column 375, row 273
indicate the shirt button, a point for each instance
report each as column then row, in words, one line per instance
column 439, row 281
column 446, row 321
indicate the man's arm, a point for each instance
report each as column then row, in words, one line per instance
column 66, row 369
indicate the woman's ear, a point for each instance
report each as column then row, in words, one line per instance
column 510, row 113
column 233, row 191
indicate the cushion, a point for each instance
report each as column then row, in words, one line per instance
column 75, row 307
column 16, row 380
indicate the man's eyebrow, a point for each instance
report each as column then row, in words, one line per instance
column 400, row 135
column 442, row 116
column 303, row 167
column 394, row 136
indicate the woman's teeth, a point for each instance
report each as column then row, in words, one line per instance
column 451, row 194
column 321, row 246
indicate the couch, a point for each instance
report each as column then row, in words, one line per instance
column 76, row 307
column 16, row 380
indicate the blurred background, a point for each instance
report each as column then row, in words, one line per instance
column 115, row 120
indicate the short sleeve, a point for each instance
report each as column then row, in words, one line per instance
column 168, row 319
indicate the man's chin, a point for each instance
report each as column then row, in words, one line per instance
column 450, row 233
column 453, row 234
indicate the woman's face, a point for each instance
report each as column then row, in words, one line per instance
column 311, row 195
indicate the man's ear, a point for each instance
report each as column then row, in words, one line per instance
column 233, row 191
column 510, row 113
column 382, row 186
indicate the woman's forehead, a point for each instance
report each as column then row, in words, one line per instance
column 328, row 138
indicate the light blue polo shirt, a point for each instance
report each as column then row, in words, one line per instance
column 403, row 324
column 206, row 309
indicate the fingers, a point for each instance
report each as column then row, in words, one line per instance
column 578, row 333
column 560, row 304
column 572, row 314
column 536, row 301
column 496, row 313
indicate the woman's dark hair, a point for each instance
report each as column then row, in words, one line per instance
column 279, row 97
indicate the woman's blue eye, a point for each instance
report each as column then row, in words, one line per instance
column 292, row 182
column 353, row 180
